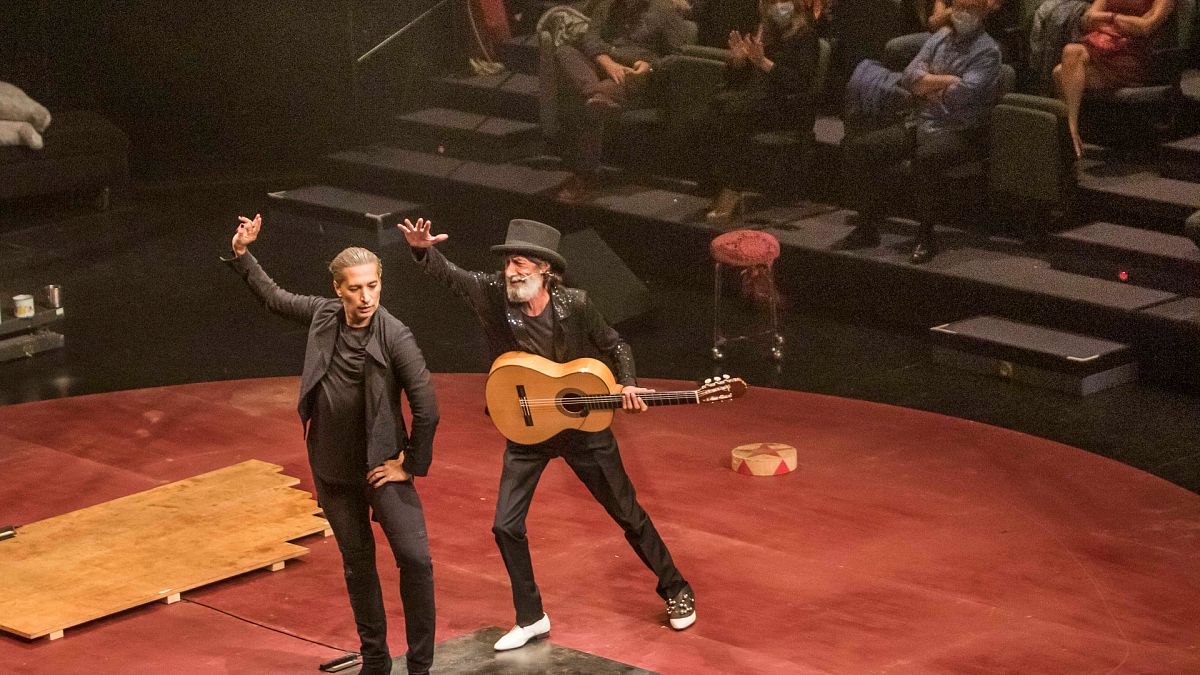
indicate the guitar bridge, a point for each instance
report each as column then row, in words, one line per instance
column 524, row 405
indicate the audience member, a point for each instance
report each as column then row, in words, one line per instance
column 1001, row 23
column 955, row 80
column 1116, row 52
column 607, row 69
column 770, row 77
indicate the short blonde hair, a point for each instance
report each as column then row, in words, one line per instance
column 352, row 257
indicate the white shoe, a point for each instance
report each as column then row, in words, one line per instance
column 518, row 636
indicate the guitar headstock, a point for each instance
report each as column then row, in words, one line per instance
column 722, row 388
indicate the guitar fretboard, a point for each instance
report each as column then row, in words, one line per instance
column 610, row 401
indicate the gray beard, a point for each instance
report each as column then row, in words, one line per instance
column 523, row 291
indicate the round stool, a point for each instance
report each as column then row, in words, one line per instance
column 753, row 253
column 763, row 459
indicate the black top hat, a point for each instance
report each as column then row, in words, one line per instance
column 533, row 238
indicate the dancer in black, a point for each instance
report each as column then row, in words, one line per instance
column 358, row 360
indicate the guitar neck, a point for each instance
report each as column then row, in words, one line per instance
column 610, row 401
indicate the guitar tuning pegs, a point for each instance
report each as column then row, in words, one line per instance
column 707, row 380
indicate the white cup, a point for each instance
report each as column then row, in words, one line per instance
column 24, row 306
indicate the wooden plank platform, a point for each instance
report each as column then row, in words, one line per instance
column 151, row 546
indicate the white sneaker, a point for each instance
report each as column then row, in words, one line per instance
column 518, row 636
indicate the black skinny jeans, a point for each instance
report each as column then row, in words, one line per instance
column 596, row 460
column 398, row 509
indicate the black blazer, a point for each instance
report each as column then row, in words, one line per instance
column 395, row 364
column 579, row 328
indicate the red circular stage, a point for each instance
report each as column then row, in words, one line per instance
column 903, row 542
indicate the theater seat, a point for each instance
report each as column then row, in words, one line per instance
column 1030, row 168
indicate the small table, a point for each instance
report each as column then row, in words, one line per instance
column 26, row 337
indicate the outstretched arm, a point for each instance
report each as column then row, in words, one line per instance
column 422, row 243
column 289, row 305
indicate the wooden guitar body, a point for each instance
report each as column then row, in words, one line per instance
column 529, row 398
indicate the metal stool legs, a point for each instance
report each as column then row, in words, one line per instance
column 721, row 341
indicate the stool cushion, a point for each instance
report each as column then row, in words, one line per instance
column 745, row 248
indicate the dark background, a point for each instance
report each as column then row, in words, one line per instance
column 209, row 82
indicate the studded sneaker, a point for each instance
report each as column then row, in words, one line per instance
column 681, row 609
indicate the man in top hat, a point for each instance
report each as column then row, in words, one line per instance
column 525, row 307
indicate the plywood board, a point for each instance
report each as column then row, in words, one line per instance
column 150, row 546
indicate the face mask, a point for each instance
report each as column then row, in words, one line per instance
column 965, row 23
column 782, row 13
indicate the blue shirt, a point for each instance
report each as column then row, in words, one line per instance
column 965, row 104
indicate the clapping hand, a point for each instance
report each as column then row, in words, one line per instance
column 754, row 49
column 417, row 234
column 246, row 233
column 738, row 46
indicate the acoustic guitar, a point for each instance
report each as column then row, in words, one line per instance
column 530, row 398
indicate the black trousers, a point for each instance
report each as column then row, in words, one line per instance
column 734, row 117
column 869, row 161
column 596, row 460
column 397, row 507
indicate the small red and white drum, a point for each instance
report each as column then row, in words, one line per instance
column 764, row 459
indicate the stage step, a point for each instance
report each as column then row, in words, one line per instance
column 1129, row 254
column 1035, row 355
column 510, row 95
column 520, row 54
column 458, row 133
column 355, row 217
column 1137, row 193
column 1181, row 159
column 402, row 171
column 1189, row 85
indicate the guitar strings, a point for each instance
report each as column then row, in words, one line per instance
column 653, row 397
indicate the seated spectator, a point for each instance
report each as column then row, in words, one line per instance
column 770, row 74
column 1116, row 52
column 607, row 69
column 955, row 80
column 1001, row 23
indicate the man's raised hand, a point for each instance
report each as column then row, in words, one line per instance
column 417, row 234
column 246, row 233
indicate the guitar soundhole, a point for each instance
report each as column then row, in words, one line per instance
column 570, row 403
